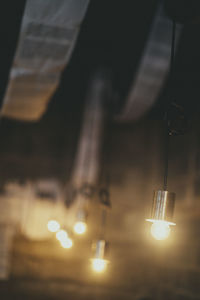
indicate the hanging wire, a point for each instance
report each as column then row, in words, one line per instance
column 166, row 116
column 105, row 202
column 104, row 194
column 166, row 160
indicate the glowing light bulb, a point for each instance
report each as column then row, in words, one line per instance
column 53, row 226
column 99, row 265
column 61, row 235
column 80, row 227
column 160, row 230
column 66, row 243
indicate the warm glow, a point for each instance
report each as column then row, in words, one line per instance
column 53, row 226
column 80, row 227
column 99, row 265
column 160, row 230
column 61, row 235
column 66, row 243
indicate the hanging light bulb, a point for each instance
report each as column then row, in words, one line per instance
column 99, row 263
column 53, row 226
column 162, row 214
column 160, row 230
column 66, row 243
column 163, row 201
column 80, row 227
column 61, row 235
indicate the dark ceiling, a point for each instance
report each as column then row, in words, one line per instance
column 112, row 35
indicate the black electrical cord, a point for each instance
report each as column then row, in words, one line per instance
column 166, row 161
column 103, row 223
column 104, row 194
column 166, row 116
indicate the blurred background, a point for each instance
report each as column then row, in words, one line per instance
column 84, row 91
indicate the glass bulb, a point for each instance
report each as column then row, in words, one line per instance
column 160, row 230
column 66, row 243
column 53, row 226
column 80, row 227
column 99, row 265
column 61, row 235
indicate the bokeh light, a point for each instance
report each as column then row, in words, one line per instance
column 99, row 265
column 53, row 226
column 61, row 235
column 66, row 243
column 80, row 227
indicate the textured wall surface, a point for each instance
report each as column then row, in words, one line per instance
column 140, row 267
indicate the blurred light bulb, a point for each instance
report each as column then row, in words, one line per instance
column 66, row 243
column 99, row 265
column 160, row 230
column 61, row 235
column 80, row 227
column 53, row 226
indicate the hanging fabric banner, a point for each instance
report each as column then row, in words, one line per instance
column 48, row 34
column 152, row 70
column 87, row 159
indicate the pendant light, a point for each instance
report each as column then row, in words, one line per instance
column 99, row 261
column 163, row 200
column 100, row 247
column 84, row 194
column 63, row 237
column 53, row 225
column 80, row 227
